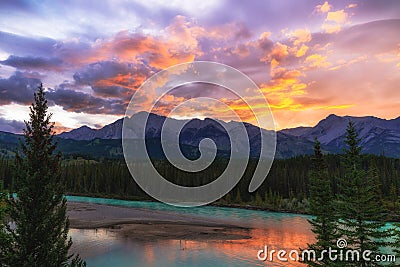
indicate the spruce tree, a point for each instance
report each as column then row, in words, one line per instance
column 40, row 236
column 324, row 224
column 359, row 205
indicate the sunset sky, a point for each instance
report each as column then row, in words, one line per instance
column 310, row 58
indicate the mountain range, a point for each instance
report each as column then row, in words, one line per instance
column 378, row 136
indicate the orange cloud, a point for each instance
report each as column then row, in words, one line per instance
column 334, row 21
column 317, row 61
column 278, row 53
column 351, row 5
column 301, row 36
column 324, row 8
column 302, row 51
column 339, row 16
column 283, row 87
column 59, row 128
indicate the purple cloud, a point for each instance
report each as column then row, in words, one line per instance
column 18, row 89
column 30, row 62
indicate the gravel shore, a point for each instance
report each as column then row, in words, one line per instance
column 147, row 225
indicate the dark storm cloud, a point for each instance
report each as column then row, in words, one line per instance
column 30, row 62
column 110, row 91
column 11, row 126
column 75, row 101
column 18, row 89
column 113, row 79
column 99, row 71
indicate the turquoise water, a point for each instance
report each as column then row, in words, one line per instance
column 243, row 216
column 104, row 248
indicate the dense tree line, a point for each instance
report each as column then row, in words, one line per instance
column 287, row 186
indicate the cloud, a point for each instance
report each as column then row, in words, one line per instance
column 351, row 6
column 30, row 62
column 301, row 36
column 302, row 50
column 75, row 101
column 18, row 89
column 11, row 126
column 101, row 70
column 26, row 46
column 317, row 61
column 59, row 128
column 373, row 37
column 112, row 78
column 334, row 21
column 324, row 8
column 279, row 52
column 95, row 65
column 264, row 42
column 339, row 17
column 157, row 52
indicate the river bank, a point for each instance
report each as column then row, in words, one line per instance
column 147, row 225
column 391, row 217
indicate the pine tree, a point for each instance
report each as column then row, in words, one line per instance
column 359, row 205
column 324, row 224
column 40, row 236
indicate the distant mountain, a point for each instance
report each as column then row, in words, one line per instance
column 194, row 131
column 111, row 131
column 378, row 136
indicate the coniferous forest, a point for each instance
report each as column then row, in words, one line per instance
column 287, row 187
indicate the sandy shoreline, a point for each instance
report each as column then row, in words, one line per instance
column 147, row 225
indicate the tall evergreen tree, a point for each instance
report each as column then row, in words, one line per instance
column 324, row 224
column 359, row 205
column 40, row 236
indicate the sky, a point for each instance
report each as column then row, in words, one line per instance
column 309, row 58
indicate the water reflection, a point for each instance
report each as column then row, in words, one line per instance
column 277, row 231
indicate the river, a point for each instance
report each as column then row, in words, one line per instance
column 275, row 230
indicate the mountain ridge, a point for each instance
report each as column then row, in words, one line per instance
column 378, row 136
